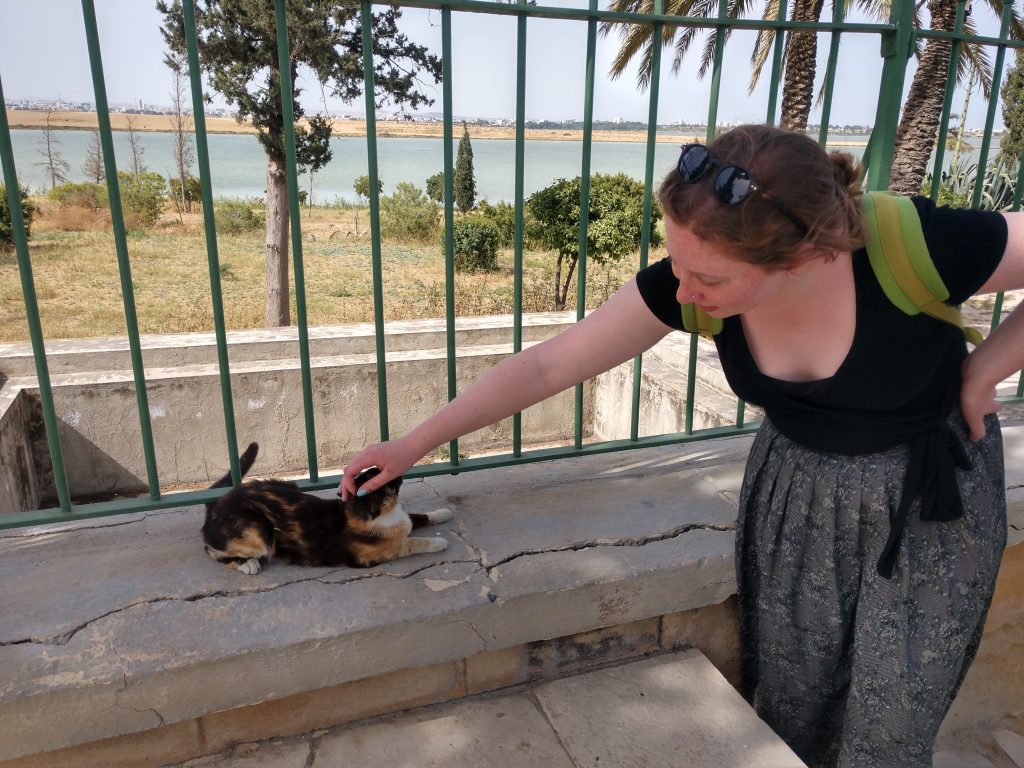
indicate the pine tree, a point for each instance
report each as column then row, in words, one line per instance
column 238, row 55
column 1012, row 144
column 465, row 184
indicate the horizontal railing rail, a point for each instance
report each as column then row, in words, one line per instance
column 896, row 36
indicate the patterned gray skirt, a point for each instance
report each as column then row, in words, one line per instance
column 849, row 668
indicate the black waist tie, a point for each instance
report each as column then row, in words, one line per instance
column 931, row 475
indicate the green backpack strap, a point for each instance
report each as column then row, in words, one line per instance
column 902, row 264
column 696, row 320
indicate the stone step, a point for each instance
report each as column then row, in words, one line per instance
column 670, row 710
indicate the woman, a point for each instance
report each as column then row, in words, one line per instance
column 872, row 516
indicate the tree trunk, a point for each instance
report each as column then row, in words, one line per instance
column 277, row 244
column 919, row 124
column 562, row 288
column 801, row 62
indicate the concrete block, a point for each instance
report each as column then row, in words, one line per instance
column 337, row 705
column 576, row 653
column 672, row 710
column 712, row 630
column 159, row 746
column 508, row 732
column 490, row 670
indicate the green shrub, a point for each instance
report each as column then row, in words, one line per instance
column 193, row 191
column 85, row 195
column 233, row 217
column 503, row 216
column 362, row 187
column 142, row 196
column 28, row 211
column 475, row 243
column 408, row 214
column 435, row 187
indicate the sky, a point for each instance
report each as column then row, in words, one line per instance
column 43, row 55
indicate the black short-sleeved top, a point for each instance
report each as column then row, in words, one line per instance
column 901, row 369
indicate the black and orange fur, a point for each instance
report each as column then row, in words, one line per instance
column 273, row 518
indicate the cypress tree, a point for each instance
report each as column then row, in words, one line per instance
column 465, row 184
column 1012, row 144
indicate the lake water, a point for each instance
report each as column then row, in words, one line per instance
column 238, row 165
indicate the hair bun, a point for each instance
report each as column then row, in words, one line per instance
column 847, row 171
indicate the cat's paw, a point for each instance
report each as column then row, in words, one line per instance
column 442, row 515
column 250, row 567
column 436, row 544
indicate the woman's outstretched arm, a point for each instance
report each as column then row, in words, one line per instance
column 615, row 332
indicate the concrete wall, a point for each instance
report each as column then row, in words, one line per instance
column 94, row 397
column 19, row 478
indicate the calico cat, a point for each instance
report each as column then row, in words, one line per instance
column 264, row 518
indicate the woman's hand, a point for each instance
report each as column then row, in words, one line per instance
column 977, row 399
column 393, row 458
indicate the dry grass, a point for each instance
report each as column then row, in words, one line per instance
column 78, row 286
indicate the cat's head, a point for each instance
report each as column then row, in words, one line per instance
column 376, row 503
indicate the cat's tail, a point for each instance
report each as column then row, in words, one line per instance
column 245, row 462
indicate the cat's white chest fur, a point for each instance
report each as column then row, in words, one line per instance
column 393, row 523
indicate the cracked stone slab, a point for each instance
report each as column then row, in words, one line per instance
column 288, row 754
column 507, row 731
column 1012, row 744
column 600, row 499
column 954, row 759
column 672, row 710
column 554, row 594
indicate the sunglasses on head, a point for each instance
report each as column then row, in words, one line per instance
column 732, row 184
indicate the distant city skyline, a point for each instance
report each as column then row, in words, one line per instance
column 50, row 36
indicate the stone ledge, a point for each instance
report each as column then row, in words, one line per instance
column 125, row 625
column 122, row 626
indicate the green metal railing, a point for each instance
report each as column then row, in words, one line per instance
column 896, row 37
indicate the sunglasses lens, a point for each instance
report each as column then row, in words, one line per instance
column 732, row 185
column 693, row 162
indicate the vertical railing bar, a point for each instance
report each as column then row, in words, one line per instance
column 375, row 254
column 35, row 329
column 716, row 86
column 947, row 103
column 780, row 42
column 896, row 50
column 986, row 141
column 645, row 226
column 581, row 272
column 121, row 245
column 210, row 229
column 449, row 215
column 285, row 69
column 838, row 16
column 517, row 277
column 990, row 116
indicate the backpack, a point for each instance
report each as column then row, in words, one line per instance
column 901, row 263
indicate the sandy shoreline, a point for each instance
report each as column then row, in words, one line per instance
column 85, row 121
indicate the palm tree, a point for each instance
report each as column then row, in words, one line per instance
column 801, row 55
column 922, row 112
column 800, row 52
